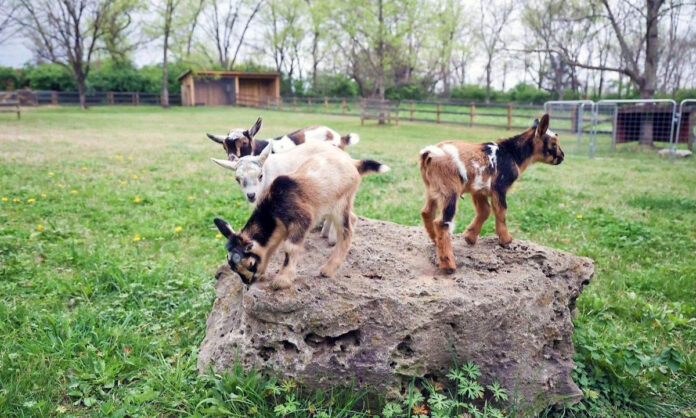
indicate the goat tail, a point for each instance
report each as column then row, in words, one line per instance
column 350, row 140
column 370, row 166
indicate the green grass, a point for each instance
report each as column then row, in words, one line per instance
column 94, row 321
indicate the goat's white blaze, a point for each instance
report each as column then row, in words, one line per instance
column 479, row 184
column 549, row 132
column 493, row 155
column 454, row 153
column 435, row 151
column 282, row 144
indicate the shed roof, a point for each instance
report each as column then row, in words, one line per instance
column 218, row 73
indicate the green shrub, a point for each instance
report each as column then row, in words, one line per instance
column 10, row 78
column 114, row 76
column 407, row 92
column 525, row 93
column 338, row 85
column 50, row 77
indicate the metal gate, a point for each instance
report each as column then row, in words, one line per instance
column 607, row 123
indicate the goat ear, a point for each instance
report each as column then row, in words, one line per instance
column 230, row 165
column 217, row 138
column 224, row 228
column 251, row 133
column 543, row 125
column 535, row 123
column 261, row 159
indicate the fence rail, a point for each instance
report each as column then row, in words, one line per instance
column 102, row 98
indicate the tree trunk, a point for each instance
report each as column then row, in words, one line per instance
column 165, row 72
column 315, row 59
column 380, row 53
column 488, row 80
column 82, row 90
column 647, row 88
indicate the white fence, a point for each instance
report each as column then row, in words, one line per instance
column 606, row 123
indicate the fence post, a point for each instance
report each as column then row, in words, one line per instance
column 412, row 106
column 135, row 98
column 509, row 120
column 110, row 97
column 472, row 113
column 54, row 97
column 326, row 105
column 309, row 105
column 439, row 109
column 294, row 104
column 343, row 106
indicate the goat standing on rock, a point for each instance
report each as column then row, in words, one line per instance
column 452, row 168
column 240, row 142
column 323, row 186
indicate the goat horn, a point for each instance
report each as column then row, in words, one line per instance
column 230, row 165
column 217, row 138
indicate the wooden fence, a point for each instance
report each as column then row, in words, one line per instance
column 496, row 115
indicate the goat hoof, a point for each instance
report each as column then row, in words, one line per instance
column 281, row 282
column 471, row 240
column 447, row 266
column 505, row 242
column 326, row 272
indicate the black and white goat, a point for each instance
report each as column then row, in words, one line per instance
column 240, row 142
column 322, row 187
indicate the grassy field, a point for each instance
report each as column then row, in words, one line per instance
column 107, row 251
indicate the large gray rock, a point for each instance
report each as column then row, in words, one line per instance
column 389, row 315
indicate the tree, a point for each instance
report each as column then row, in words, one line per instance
column 490, row 33
column 223, row 21
column 7, row 20
column 66, row 32
column 118, row 26
column 170, row 7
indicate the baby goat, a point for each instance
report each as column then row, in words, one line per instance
column 452, row 168
column 240, row 142
column 323, row 186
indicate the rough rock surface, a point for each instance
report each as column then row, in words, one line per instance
column 389, row 315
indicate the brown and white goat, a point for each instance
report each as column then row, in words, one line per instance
column 324, row 186
column 452, row 168
column 240, row 142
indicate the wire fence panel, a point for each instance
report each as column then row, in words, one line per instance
column 686, row 124
column 573, row 116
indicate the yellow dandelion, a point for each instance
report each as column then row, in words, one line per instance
column 39, row 227
column 178, row 229
column 4, row 199
column 51, row 173
column 31, row 200
column 218, row 235
column 191, row 197
column 135, row 176
column 239, row 203
column 137, row 199
column 43, row 194
column 579, row 217
column 130, row 158
column 16, row 200
column 61, row 185
column 84, row 168
column 124, row 182
column 73, row 191
column 143, row 171
column 136, row 238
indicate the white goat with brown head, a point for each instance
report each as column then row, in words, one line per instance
column 240, row 142
column 323, row 186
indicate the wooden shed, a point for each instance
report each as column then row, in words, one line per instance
column 216, row 88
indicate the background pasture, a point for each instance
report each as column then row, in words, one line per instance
column 107, row 251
